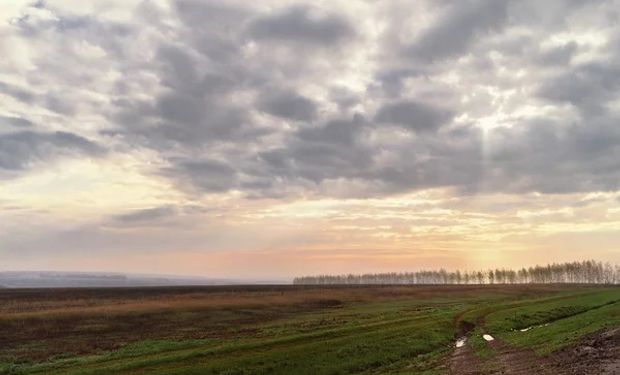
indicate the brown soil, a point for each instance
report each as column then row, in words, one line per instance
column 598, row 353
column 513, row 361
column 38, row 324
column 506, row 361
column 465, row 362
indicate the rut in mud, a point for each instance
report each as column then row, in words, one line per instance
column 512, row 361
column 506, row 360
column 597, row 353
column 463, row 360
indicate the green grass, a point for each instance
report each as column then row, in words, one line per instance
column 391, row 336
column 482, row 350
column 352, row 339
column 549, row 310
column 557, row 322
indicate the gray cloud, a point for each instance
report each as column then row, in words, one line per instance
column 147, row 215
column 391, row 80
column 289, row 105
column 588, row 87
column 460, row 25
column 19, row 122
column 194, row 84
column 21, row 150
column 205, row 175
column 16, row 92
column 272, row 101
column 561, row 55
column 301, row 23
column 548, row 157
column 343, row 150
column 195, row 106
column 333, row 150
column 344, row 98
column 413, row 115
column 196, row 109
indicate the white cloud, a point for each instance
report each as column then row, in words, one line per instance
column 273, row 102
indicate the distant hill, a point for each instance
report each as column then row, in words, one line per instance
column 52, row 279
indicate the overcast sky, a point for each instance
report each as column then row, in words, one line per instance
column 276, row 138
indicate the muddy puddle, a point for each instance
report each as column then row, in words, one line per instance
column 460, row 342
column 532, row 327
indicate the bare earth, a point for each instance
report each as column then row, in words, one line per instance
column 598, row 353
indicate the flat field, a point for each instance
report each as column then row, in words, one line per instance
column 311, row 330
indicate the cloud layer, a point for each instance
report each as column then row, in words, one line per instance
column 221, row 100
column 282, row 99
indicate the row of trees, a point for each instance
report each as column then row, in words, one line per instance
column 586, row 272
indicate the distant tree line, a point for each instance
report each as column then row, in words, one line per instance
column 585, row 272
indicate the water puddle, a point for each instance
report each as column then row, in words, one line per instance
column 532, row 327
column 461, row 341
column 488, row 337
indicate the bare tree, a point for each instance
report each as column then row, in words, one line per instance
column 588, row 271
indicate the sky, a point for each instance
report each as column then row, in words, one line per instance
column 275, row 138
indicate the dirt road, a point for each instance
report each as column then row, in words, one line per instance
column 598, row 353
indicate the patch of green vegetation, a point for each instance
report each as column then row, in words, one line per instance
column 390, row 336
column 556, row 322
column 549, row 310
column 9, row 368
column 566, row 331
column 482, row 349
column 353, row 339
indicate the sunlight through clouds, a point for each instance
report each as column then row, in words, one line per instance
column 373, row 135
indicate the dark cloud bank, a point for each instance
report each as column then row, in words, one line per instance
column 235, row 98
